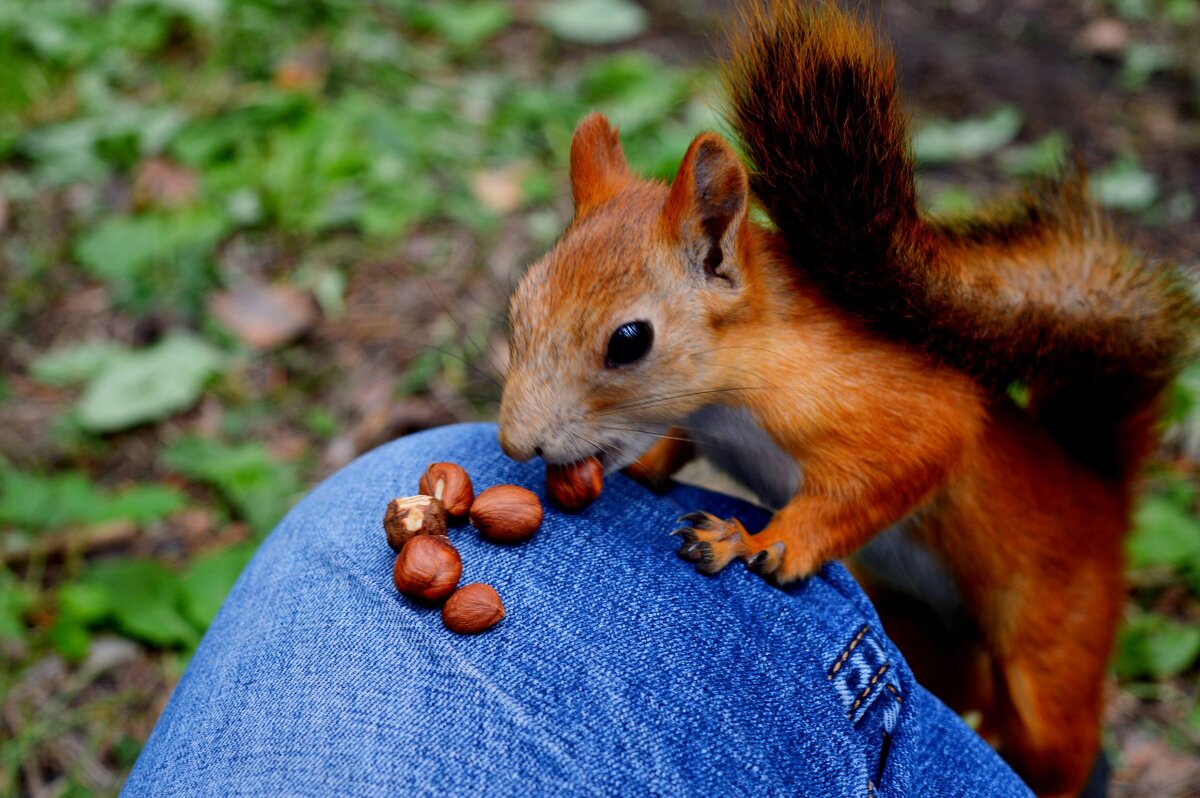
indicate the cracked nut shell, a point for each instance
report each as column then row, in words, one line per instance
column 575, row 486
column 409, row 516
column 450, row 483
column 427, row 568
column 506, row 513
column 472, row 609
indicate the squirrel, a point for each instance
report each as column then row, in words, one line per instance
column 852, row 363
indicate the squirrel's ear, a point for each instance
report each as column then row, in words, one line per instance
column 598, row 165
column 707, row 204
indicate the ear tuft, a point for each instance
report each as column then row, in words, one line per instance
column 708, row 202
column 598, row 167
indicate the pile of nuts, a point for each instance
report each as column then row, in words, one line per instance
column 428, row 567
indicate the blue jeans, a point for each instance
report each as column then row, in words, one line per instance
column 618, row 671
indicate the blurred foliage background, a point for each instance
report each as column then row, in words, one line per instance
column 242, row 241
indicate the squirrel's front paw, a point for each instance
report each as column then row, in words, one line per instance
column 712, row 544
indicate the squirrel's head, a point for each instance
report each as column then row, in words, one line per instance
column 615, row 333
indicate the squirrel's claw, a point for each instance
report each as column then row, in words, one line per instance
column 755, row 562
column 766, row 562
column 698, row 552
column 686, row 532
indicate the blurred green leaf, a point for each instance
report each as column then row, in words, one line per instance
column 84, row 602
column 953, row 201
column 144, row 601
column 159, row 624
column 209, row 579
column 125, row 751
column 1043, row 158
column 1144, row 60
column 70, row 638
column 260, row 489
column 202, row 11
column 76, row 362
column 1181, row 12
column 1185, row 394
column 593, row 21
column 146, row 257
column 635, row 90
column 15, row 599
column 463, row 25
column 149, row 384
column 85, row 148
column 1164, row 534
column 1020, row 393
column 966, row 140
column 421, row 372
column 34, row 501
column 140, row 504
column 1124, row 185
column 1154, row 646
column 1133, row 9
column 320, row 422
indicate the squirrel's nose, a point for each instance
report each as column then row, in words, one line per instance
column 517, row 449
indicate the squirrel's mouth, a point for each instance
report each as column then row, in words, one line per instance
column 605, row 458
column 613, row 453
column 611, row 458
column 616, row 455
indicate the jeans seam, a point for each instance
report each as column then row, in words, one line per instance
column 866, row 691
column 847, row 652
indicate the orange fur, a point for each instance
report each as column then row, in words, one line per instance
column 873, row 347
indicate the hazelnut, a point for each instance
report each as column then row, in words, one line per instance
column 411, row 516
column 506, row 513
column 449, row 483
column 472, row 609
column 575, row 486
column 428, row 568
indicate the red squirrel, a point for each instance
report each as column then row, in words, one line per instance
column 852, row 364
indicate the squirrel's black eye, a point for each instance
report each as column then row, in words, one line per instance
column 630, row 342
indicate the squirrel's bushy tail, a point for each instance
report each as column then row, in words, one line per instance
column 1042, row 293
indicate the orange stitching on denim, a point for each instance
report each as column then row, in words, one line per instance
column 870, row 789
column 837, row 666
column 867, row 690
column 891, row 688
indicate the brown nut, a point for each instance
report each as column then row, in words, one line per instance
column 411, row 516
column 575, row 486
column 427, row 568
column 472, row 609
column 451, row 484
column 506, row 513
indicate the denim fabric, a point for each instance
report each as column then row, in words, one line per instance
column 618, row 671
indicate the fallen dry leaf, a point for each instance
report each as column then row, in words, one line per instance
column 304, row 69
column 264, row 316
column 162, row 184
column 1105, row 37
column 499, row 190
column 1151, row 766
